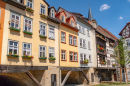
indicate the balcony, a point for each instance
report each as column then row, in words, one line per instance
column 103, row 52
column 16, row 3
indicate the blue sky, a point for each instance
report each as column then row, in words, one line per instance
column 110, row 14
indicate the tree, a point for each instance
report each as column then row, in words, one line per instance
column 122, row 54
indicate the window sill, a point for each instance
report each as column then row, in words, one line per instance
column 73, row 61
column 63, row 42
column 12, row 28
column 83, row 47
column 13, row 55
column 43, row 16
column 30, row 33
column 42, row 36
column 44, row 58
column 63, row 60
column 73, row 45
column 51, row 38
column 29, row 10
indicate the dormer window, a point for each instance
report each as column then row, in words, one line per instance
column 72, row 23
column 53, row 13
column 43, row 9
column 63, row 18
column 20, row 1
column 30, row 3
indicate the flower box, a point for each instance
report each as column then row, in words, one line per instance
column 52, row 58
column 28, row 57
column 103, row 63
column 15, row 29
column 43, row 16
column 42, row 36
column 13, row 55
column 84, row 62
column 113, row 64
column 44, row 58
column 27, row 32
column 30, row 9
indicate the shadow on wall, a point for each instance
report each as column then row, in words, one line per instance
column 10, row 81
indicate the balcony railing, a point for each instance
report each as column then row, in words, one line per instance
column 19, row 4
column 101, row 51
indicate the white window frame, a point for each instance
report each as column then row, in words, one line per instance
column 41, row 51
column 75, row 56
column 75, row 41
column 13, row 46
column 19, row 1
column 42, row 9
column 29, row 49
column 29, row 19
column 62, row 18
column 82, row 43
column 51, row 27
column 42, row 29
column 63, row 54
column 13, row 13
column 63, row 37
column 29, row 3
column 72, row 23
column 84, row 56
column 70, row 40
column 52, row 13
column 88, row 32
column 52, row 51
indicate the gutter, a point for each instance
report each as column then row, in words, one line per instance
column 59, row 54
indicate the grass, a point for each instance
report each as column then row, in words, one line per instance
column 112, row 84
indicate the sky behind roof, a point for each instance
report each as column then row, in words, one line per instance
column 110, row 14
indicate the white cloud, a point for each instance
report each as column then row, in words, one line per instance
column 104, row 7
column 120, row 18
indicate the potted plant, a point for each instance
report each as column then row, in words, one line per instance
column 15, row 29
column 43, row 57
column 52, row 58
column 42, row 15
column 103, row 62
column 27, row 32
column 12, row 55
column 26, row 56
column 30, row 9
column 84, row 61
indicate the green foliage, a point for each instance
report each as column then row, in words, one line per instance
column 122, row 53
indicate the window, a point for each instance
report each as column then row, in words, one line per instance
column 30, row 3
column 20, row 1
column 63, row 18
column 81, row 29
column 51, row 32
column 72, row 23
column 88, row 33
column 15, row 20
column 89, row 45
column 42, row 50
column 127, row 42
column 73, row 56
column 27, row 49
column 43, row 9
column 28, row 24
column 13, row 47
column 89, row 58
column 83, row 57
column 70, row 40
column 43, row 29
column 53, row 80
column 51, row 52
column 53, row 13
column 82, row 43
column 63, row 54
column 75, row 41
column 63, row 36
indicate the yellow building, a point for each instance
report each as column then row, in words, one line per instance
column 30, row 38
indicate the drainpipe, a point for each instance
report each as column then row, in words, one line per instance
column 59, row 54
